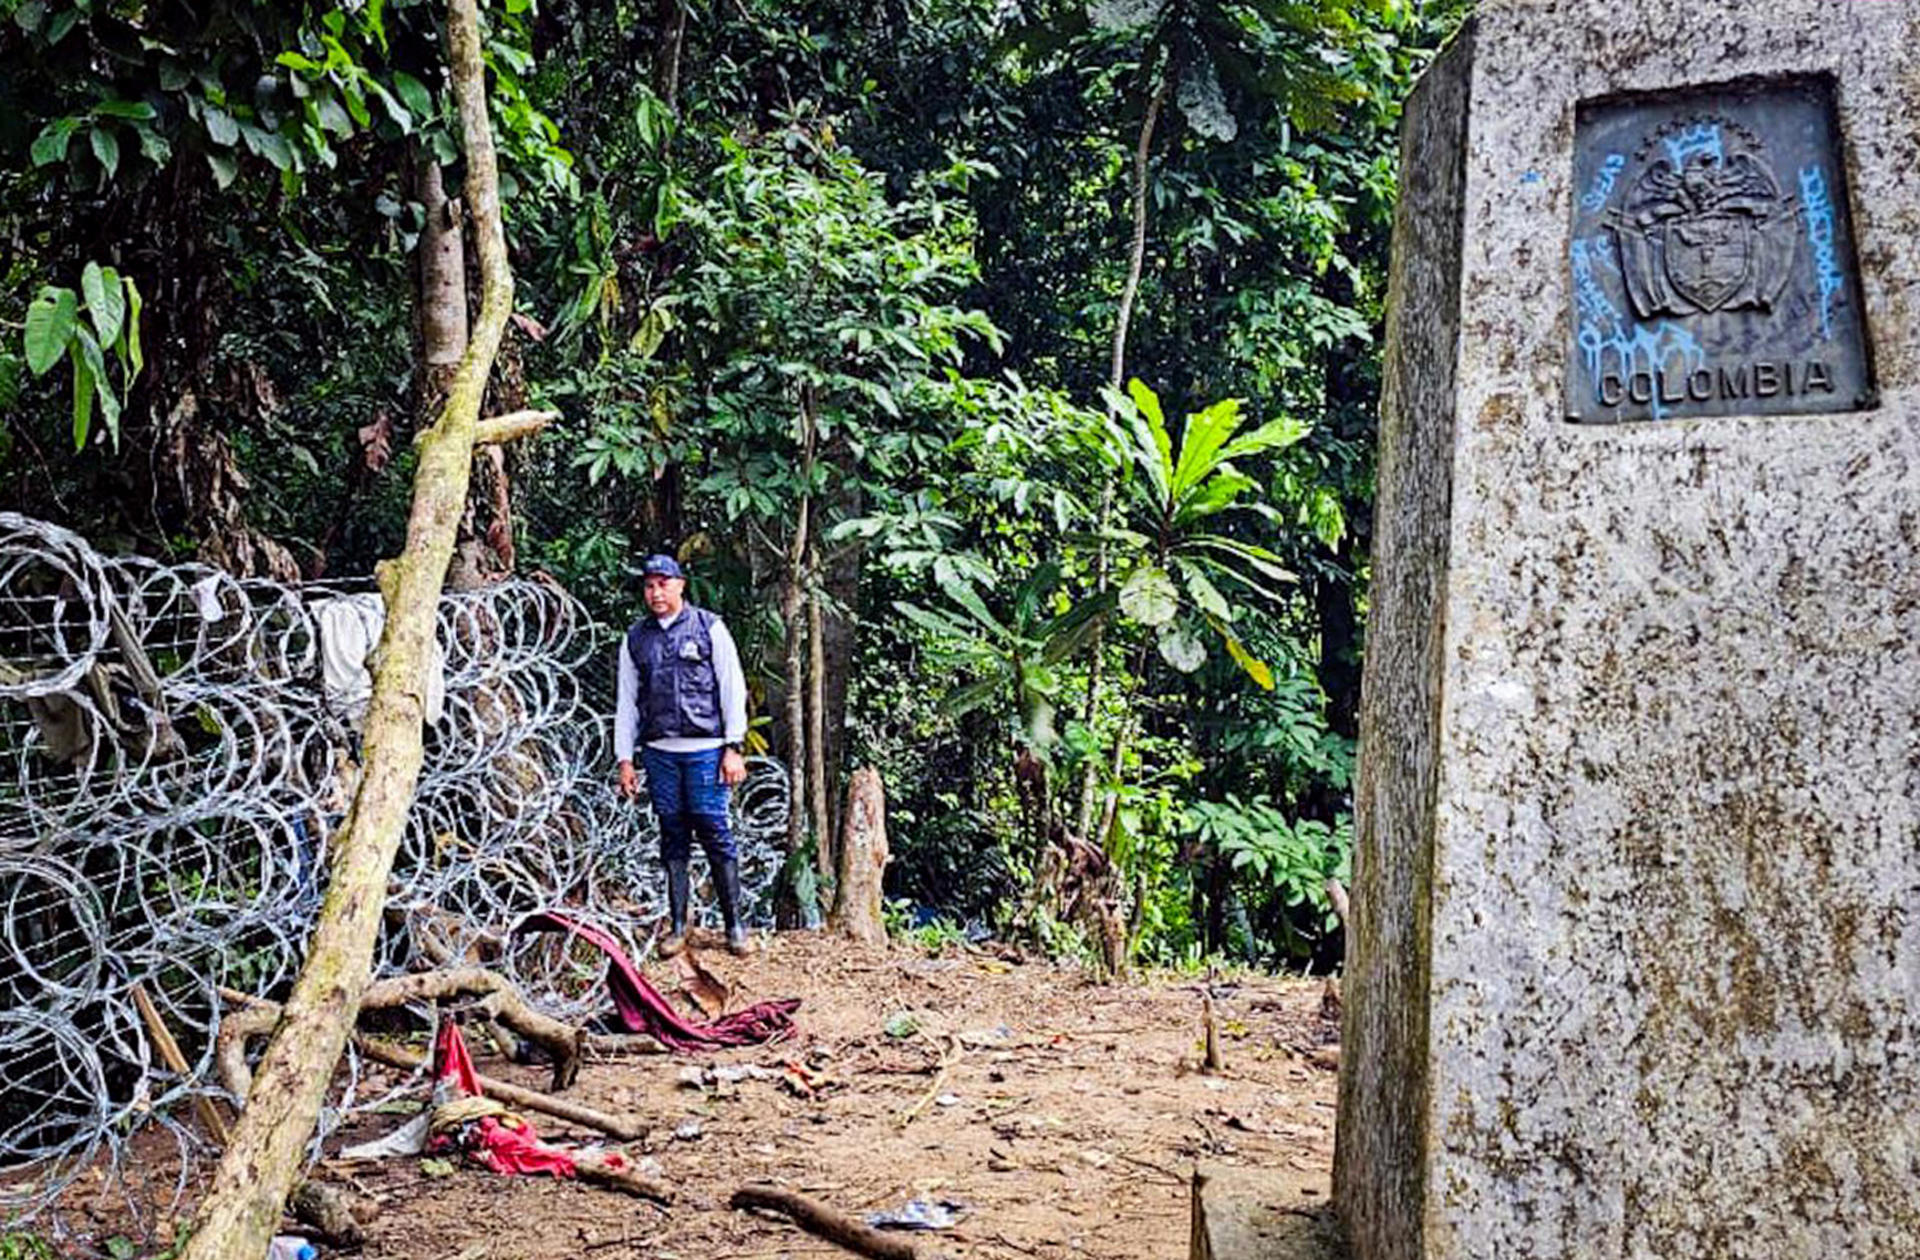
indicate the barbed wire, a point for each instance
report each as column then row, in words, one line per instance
column 177, row 747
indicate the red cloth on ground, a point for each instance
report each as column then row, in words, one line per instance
column 504, row 1145
column 450, row 1058
column 509, row 1151
column 643, row 1009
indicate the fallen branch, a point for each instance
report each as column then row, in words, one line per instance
column 824, row 1222
column 626, row 1128
column 622, row 1044
column 499, row 1001
column 597, row 1169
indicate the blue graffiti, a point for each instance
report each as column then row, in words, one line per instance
column 1602, row 186
column 1697, row 139
column 1818, row 207
column 1608, row 339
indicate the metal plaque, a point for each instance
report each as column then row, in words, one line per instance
column 1712, row 257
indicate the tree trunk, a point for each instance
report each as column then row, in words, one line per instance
column 863, row 861
column 441, row 313
column 236, row 1220
column 842, row 582
column 670, row 23
column 817, row 701
column 1116, row 377
column 793, row 620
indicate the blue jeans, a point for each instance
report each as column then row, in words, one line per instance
column 690, row 801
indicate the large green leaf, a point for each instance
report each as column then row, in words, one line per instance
column 1149, row 596
column 1218, row 493
column 90, row 354
column 934, row 622
column 50, row 322
column 82, row 402
column 1255, row 668
column 50, row 145
column 1259, row 559
column 961, row 592
column 222, row 129
column 1182, row 649
column 1272, row 435
column 106, row 149
column 1065, row 635
column 225, row 167
column 1153, row 447
column 106, row 303
column 125, row 109
column 1207, row 431
column 1205, row 594
column 966, row 699
column 133, row 325
column 414, row 93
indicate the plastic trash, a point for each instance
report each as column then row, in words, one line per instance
column 290, row 1247
column 920, row 1214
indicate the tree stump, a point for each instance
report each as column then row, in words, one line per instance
column 863, row 859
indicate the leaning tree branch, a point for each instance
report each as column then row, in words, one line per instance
column 515, row 424
column 237, row 1218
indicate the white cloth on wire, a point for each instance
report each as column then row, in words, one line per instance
column 350, row 627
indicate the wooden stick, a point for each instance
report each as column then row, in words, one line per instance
column 824, row 1222
column 626, row 1128
column 597, row 1170
column 954, row 1053
column 210, row 1117
column 1214, row 1063
column 515, row 424
column 622, row 1043
column 1337, row 897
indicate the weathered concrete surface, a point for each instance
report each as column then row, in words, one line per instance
column 1379, row 1164
column 1249, row 1214
column 1636, row 961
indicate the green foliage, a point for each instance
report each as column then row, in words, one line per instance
column 866, row 259
column 24, row 1245
column 935, row 934
column 1291, row 859
column 243, row 83
column 1174, row 495
column 55, row 329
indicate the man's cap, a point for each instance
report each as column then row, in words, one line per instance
column 662, row 566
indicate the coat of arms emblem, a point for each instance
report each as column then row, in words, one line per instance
column 1705, row 226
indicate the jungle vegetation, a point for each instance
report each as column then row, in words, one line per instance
column 1004, row 370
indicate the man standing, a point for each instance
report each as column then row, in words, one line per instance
column 683, row 695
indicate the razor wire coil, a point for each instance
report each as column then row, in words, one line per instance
column 172, row 764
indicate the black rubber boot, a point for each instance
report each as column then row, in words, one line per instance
column 677, row 895
column 726, row 882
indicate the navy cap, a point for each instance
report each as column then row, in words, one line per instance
column 662, row 566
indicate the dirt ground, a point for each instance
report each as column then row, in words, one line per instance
column 1068, row 1119
column 1066, row 1116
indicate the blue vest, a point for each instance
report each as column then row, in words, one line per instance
column 679, row 693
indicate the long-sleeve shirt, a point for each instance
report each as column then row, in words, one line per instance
column 728, row 675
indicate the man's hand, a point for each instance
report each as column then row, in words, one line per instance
column 629, row 781
column 733, row 768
